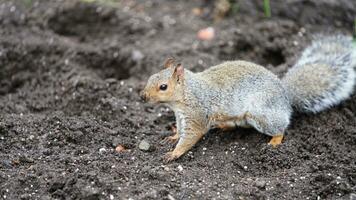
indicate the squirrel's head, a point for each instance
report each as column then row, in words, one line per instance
column 165, row 86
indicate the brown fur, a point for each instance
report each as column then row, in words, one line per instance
column 156, row 95
column 217, row 75
column 185, row 145
column 169, row 62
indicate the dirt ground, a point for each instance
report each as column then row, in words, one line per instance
column 69, row 82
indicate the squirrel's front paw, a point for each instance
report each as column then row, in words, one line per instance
column 170, row 156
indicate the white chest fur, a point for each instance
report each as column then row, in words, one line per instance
column 181, row 121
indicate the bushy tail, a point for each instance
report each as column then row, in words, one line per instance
column 324, row 75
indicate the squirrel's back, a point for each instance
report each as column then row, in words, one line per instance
column 324, row 75
column 232, row 72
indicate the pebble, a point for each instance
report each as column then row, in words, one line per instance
column 260, row 184
column 137, row 55
column 90, row 193
column 206, row 33
column 180, row 168
column 197, row 11
column 102, row 150
column 144, row 146
column 120, row 149
column 111, row 80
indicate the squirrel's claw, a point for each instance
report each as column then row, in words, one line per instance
column 170, row 139
column 170, row 156
column 174, row 128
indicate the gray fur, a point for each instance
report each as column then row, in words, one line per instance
column 324, row 75
column 256, row 91
column 255, row 97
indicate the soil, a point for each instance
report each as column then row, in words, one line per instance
column 70, row 76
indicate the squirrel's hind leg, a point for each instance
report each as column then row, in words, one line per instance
column 271, row 126
column 276, row 140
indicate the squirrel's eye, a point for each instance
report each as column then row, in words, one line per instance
column 163, row 87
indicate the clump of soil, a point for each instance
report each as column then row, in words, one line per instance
column 69, row 81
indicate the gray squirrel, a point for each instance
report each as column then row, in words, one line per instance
column 241, row 93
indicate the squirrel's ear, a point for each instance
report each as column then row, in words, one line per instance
column 169, row 62
column 179, row 72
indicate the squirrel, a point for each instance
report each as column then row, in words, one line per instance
column 241, row 93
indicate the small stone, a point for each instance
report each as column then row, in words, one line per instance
column 180, row 168
column 90, row 193
column 111, row 80
column 25, row 196
column 120, row 149
column 144, row 146
column 206, row 33
column 137, row 55
column 197, row 11
column 102, row 150
column 260, row 184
